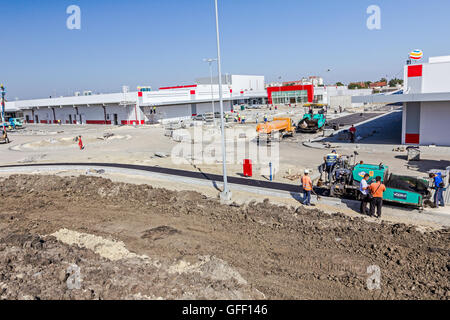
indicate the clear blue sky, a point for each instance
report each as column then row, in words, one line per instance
column 163, row 42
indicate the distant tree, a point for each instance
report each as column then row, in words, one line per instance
column 368, row 83
column 383, row 80
column 352, row 86
column 340, row 84
column 394, row 82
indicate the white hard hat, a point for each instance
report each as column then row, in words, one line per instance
column 306, row 171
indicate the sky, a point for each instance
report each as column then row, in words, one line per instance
column 163, row 42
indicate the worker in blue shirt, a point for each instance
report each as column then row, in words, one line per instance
column 330, row 162
column 439, row 186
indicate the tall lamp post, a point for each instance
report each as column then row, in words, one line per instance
column 226, row 193
column 3, row 106
column 210, row 61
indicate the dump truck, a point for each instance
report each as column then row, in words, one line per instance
column 276, row 130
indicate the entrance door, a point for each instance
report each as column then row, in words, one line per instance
column 70, row 119
column 27, row 119
column 37, row 119
column 116, row 119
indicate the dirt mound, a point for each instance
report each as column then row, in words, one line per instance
column 125, row 237
column 159, row 233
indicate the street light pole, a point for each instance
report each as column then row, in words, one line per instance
column 3, row 106
column 210, row 61
column 226, row 194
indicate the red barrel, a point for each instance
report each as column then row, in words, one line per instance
column 248, row 168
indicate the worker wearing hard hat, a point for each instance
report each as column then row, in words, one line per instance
column 266, row 119
column 243, row 119
column 307, row 188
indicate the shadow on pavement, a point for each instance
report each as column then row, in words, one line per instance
column 425, row 165
column 384, row 130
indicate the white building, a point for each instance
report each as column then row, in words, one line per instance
column 134, row 108
column 336, row 96
column 426, row 102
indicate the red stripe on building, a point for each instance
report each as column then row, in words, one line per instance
column 132, row 122
column 309, row 88
column 98, row 122
column 415, row 71
column 412, row 138
column 178, row 87
column 192, row 91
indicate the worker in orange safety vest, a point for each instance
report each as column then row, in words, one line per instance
column 307, row 188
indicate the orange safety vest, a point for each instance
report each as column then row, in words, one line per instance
column 307, row 183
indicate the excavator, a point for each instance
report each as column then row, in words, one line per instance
column 276, row 130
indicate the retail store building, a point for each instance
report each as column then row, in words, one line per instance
column 426, row 102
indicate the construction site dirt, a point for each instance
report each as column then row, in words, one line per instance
column 90, row 238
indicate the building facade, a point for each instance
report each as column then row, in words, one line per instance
column 143, row 106
column 426, row 102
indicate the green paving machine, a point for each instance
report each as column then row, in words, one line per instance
column 312, row 122
column 345, row 180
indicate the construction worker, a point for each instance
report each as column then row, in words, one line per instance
column 80, row 143
column 236, row 118
column 226, row 117
column 352, row 133
column 377, row 190
column 266, row 118
column 243, row 119
column 307, row 189
column 439, row 186
column 330, row 162
column 364, row 190
column 154, row 110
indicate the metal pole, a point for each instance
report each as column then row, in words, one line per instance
column 210, row 61
column 226, row 194
column 212, row 93
column 3, row 107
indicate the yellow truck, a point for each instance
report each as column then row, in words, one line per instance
column 276, row 130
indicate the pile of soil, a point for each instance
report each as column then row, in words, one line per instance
column 183, row 245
